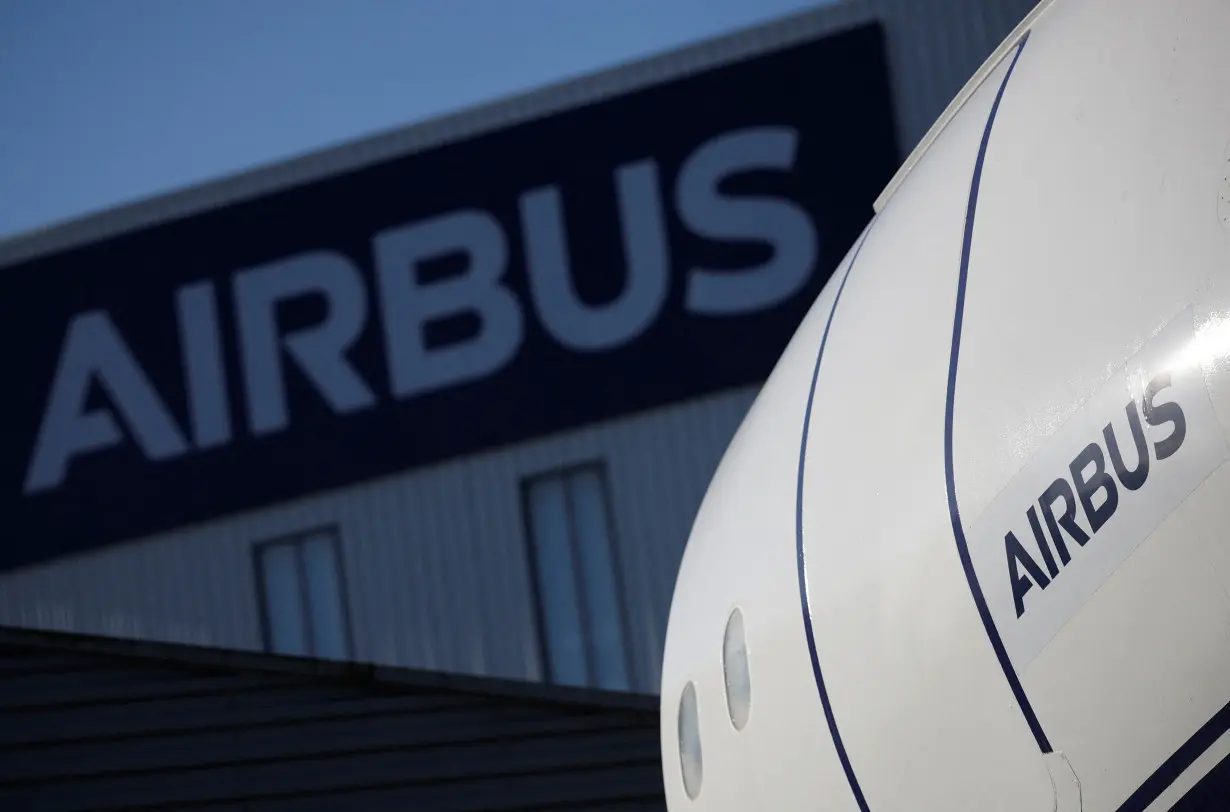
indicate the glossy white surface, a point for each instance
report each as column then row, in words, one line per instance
column 1097, row 260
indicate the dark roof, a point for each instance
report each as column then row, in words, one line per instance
column 89, row 723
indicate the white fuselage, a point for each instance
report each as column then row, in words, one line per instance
column 976, row 523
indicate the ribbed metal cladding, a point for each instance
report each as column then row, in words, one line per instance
column 435, row 561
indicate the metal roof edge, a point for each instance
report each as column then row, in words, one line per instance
column 357, row 674
column 466, row 123
column 958, row 101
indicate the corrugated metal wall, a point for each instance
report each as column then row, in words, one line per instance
column 434, row 561
column 92, row 726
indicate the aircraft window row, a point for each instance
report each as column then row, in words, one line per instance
column 737, row 684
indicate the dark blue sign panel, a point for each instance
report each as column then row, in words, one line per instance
column 612, row 258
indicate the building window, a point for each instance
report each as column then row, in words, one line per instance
column 568, row 521
column 300, row 585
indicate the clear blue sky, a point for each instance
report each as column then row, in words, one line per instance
column 108, row 101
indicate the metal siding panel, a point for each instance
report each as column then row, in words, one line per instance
column 275, row 702
column 76, row 690
column 166, row 588
column 298, row 741
column 638, row 782
column 435, row 560
column 252, row 739
column 334, row 772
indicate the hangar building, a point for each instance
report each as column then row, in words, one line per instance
column 448, row 398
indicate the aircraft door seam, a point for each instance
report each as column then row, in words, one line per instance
column 971, row 577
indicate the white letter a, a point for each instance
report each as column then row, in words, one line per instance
column 93, row 347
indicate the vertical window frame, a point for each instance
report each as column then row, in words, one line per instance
column 296, row 539
column 564, row 474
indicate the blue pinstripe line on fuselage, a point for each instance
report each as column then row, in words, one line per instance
column 954, row 512
column 801, row 554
